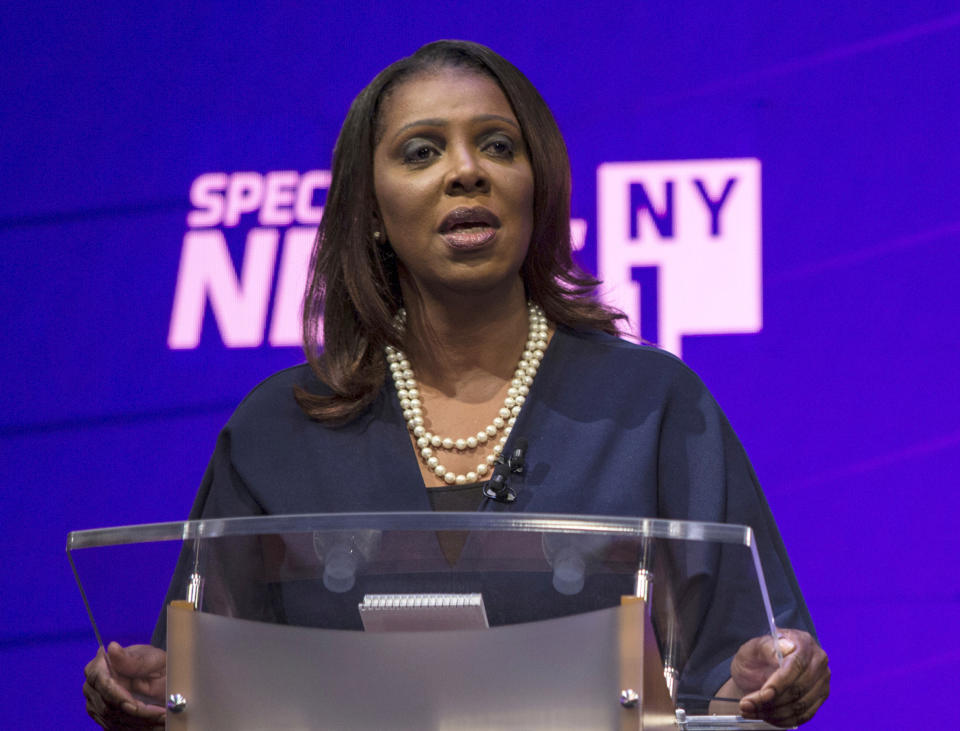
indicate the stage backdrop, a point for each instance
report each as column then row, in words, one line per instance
column 769, row 190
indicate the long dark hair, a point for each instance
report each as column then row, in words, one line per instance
column 354, row 286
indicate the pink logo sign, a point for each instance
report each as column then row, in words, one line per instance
column 678, row 250
column 679, row 246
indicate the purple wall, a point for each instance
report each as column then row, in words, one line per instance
column 846, row 399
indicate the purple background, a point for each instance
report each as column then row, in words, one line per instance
column 847, row 400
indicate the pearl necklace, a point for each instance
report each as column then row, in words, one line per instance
column 427, row 442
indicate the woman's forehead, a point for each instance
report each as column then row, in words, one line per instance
column 443, row 95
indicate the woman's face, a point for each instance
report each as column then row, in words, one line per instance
column 453, row 183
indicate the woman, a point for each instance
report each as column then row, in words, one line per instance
column 456, row 328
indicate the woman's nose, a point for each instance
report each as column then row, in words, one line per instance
column 466, row 174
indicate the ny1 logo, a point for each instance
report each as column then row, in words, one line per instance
column 679, row 251
column 679, row 246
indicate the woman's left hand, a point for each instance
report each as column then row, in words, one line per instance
column 791, row 693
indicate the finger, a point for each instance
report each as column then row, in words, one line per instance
column 799, row 711
column 754, row 662
column 811, row 685
column 114, row 698
column 149, row 688
column 799, row 641
column 116, row 718
column 795, row 705
column 95, row 704
column 113, row 694
column 786, row 645
column 814, row 663
column 141, row 669
column 795, row 716
column 795, row 665
column 137, row 660
column 148, row 710
column 785, row 701
column 104, row 684
column 775, row 686
column 816, row 675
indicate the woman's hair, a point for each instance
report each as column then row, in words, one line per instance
column 353, row 286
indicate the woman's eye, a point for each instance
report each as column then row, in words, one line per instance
column 418, row 152
column 500, row 147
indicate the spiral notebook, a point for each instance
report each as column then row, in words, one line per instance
column 422, row 612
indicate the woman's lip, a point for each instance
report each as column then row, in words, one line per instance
column 466, row 239
column 473, row 217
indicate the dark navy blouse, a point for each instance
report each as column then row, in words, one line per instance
column 612, row 428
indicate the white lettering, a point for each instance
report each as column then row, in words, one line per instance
column 239, row 305
column 678, row 248
column 311, row 181
column 578, row 233
column 244, row 195
column 206, row 195
column 286, row 324
column 277, row 207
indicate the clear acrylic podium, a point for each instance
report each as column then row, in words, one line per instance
column 584, row 623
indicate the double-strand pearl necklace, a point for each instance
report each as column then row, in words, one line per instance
column 430, row 444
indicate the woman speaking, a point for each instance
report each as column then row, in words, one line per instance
column 456, row 327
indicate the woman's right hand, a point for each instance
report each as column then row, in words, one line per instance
column 116, row 701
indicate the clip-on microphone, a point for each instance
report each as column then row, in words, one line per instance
column 498, row 488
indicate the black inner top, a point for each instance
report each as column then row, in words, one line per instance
column 456, row 497
column 453, row 498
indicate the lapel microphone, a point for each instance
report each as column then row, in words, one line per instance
column 499, row 488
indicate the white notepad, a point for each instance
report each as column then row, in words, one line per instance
column 422, row 612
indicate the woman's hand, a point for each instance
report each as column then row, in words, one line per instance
column 787, row 695
column 115, row 701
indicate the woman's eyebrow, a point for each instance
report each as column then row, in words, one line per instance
column 496, row 117
column 440, row 122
